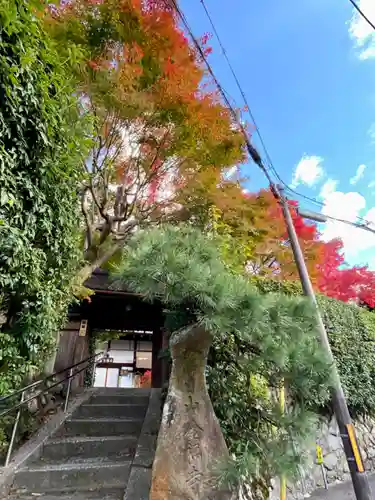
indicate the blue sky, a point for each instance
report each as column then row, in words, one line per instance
column 308, row 70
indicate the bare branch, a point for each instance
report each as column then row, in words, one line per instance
column 89, row 224
column 96, row 201
column 129, row 226
column 105, row 232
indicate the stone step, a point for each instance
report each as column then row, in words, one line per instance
column 113, row 410
column 130, row 391
column 118, row 399
column 109, row 459
column 86, row 447
column 72, row 477
column 107, row 494
column 100, row 427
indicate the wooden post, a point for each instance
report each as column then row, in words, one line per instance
column 157, row 371
column 164, row 362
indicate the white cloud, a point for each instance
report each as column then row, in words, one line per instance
column 308, row 171
column 328, row 187
column 358, row 175
column 371, row 133
column 360, row 30
column 371, row 185
column 348, row 206
column 368, row 53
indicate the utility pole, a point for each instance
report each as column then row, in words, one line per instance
column 282, row 408
column 359, row 478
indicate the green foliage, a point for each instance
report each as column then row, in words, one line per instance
column 42, row 145
column 246, row 412
column 351, row 332
column 89, row 377
column 259, row 341
column 101, row 337
column 237, row 240
column 266, row 285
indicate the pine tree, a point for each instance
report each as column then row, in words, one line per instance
column 272, row 338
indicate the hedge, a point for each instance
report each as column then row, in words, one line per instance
column 351, row 331
column 43, row 142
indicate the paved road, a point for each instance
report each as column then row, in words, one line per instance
column 341, row 492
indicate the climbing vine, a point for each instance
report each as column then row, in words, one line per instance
column 43, row 141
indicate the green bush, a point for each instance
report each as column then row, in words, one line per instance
column 351, row 331
column 243, row 394
column 42, row 147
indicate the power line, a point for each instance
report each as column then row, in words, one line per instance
column 354, row 224
column 305, row 197
column 317, row 202
column 364, row 221
column 319, row 217
column 361, row 13
column 252, row 151
column 242, row 92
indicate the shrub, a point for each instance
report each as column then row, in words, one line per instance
column 42, row 146
column 241, row 393
column 351, row 332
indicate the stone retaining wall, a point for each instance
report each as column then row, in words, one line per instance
column 334, row 461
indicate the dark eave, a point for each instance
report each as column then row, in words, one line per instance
column 101, row 282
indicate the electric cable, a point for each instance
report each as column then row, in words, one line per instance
column 251, row 149
column 243, row 94
column 362, row 14
column 354, row 224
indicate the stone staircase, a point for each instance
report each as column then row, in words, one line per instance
column 103, row 451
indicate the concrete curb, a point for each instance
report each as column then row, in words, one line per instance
column 33, row 447
column 139, row 483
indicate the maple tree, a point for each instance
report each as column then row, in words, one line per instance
column 260, row 234
column 337, row 280
column 161, row 132
column 273, row 254
column 328, row 270
column 256, row 238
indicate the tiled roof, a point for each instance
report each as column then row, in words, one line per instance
column 101, row 281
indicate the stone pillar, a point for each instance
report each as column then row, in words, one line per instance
column 190, row 444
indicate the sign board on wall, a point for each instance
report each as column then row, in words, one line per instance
column 83, row 328
column 319, row 454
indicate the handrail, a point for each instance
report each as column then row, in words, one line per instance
column 90, row 360
column 23, row 402
column 41, row 381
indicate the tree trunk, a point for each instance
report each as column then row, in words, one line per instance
column 190, row 443
column 50, row 364
column 85, row 273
